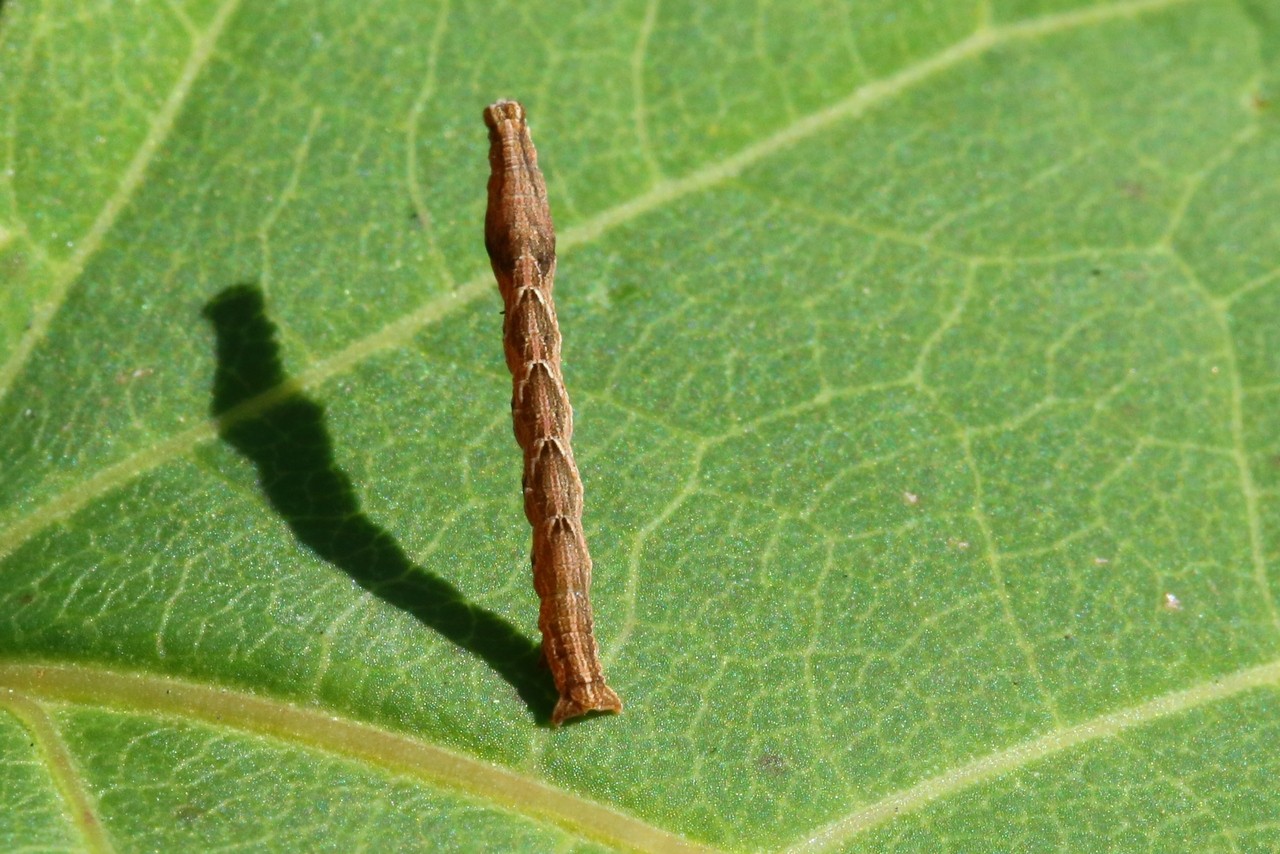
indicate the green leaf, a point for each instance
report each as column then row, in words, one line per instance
column 925, row 359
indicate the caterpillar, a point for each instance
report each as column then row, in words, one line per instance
column 521, row 241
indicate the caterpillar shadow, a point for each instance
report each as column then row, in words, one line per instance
column 288, row 443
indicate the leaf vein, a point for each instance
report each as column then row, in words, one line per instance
column 398, row 332
column 323, row 730
column 130, row 181
column 1019, row 756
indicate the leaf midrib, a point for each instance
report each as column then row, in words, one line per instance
column 25, row 684
column 458, row 771
column 316, row 728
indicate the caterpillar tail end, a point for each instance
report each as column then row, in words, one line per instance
column 584, row 699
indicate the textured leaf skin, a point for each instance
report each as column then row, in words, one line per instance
column 925, row 363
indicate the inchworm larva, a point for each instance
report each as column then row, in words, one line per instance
column 522, row 248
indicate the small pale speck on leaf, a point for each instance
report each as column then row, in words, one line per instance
column 128, row 376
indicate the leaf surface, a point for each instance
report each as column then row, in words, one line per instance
column 924, row 360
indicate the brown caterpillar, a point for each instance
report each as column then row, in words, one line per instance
column 522, row 249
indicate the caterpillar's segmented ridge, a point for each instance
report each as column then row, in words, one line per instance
column 522, row 248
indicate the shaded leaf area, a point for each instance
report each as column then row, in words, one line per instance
column 926, row 367
column 293, row 453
